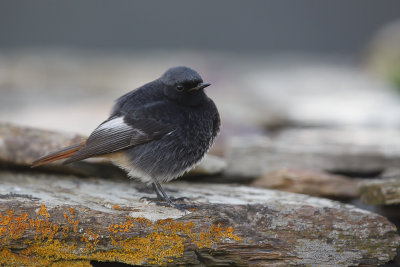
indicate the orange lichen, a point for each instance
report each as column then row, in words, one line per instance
column 72, row 263
column 214, row 235
column 72, row 211
column 116, row 207
column 170, row 226
column 72, row 222
column 162, row 242
column 8, row 258
column 11, row 226
column 43, row 229
column 91, row 239
column 43, row 250
column 53, row 250
column 143, row 221
column 43, row 212
column 154, row 248
column 122, row 227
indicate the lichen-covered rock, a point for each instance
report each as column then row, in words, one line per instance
column 59, row 219
column 380, row 191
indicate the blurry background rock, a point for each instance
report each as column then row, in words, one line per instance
column 308, row 93
column 363, row 152
column 380, row 191
column 312, row 183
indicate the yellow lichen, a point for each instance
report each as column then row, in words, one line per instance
column 72, row 222
column 142, row 220
column 50, row 251
column 72, row 263
column 153, row 248
column 72, row 211
column 12, row 227
column 8, row 258
column 43, row 212
column 163, row 242
column 214, row 235
column 91, row 239
column 122, row 227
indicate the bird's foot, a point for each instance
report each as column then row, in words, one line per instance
column 162, row 202
column 175, row 199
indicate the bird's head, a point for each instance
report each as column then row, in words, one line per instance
column 184, row 85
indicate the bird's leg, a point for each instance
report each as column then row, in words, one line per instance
column 159, row 196
column 163, row 195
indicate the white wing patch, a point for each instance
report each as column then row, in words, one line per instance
column 116, row 124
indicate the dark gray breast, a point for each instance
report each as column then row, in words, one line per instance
column 177, row 152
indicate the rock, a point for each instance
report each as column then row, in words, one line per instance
column 380, row 191
column 354, row 152
column 47, row 219
column 19, row 146
column 312, row 183
column 210, row 165
column 307, row 92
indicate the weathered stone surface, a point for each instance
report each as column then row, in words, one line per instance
column 355, row 151
column 19, row 146
column 380, row 191
column 62, row 219
column 312, row 183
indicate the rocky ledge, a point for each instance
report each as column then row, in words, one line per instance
column 59, row 219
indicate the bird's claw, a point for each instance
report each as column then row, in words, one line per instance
column 162, row 202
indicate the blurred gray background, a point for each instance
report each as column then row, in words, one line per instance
column 229, row 25
column 273, row 64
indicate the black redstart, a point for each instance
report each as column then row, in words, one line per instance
column 156, row 132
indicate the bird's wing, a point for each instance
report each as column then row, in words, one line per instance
column 121, row 132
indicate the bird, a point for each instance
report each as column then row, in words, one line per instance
column 156, row 132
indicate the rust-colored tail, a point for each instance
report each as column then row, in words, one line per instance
column 60, row 154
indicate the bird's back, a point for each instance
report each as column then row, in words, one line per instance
column 138, row 98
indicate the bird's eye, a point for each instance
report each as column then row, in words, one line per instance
column 179, row 88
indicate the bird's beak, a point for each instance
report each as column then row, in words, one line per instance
column 199, row 86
